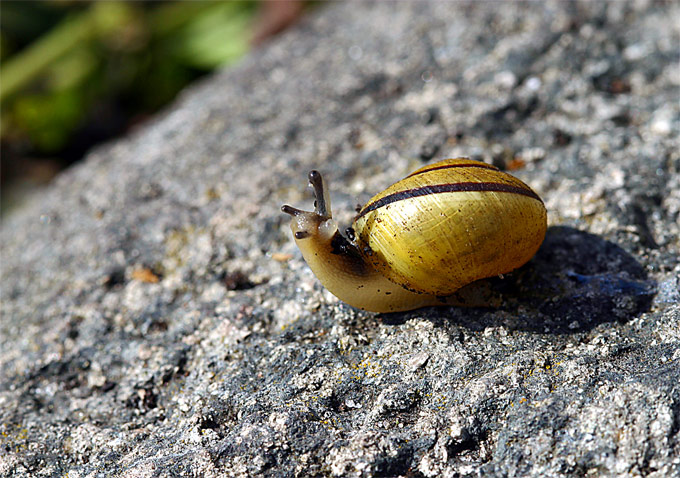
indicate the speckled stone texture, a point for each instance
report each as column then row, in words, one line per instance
column 158, row 321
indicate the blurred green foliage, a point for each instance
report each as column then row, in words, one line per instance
column 70, row 67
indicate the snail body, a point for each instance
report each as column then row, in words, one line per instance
column 423, row 239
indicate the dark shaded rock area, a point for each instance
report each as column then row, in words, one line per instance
column 158, row 321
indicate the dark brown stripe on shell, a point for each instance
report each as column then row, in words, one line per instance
column 451, row 166
column 446, row 188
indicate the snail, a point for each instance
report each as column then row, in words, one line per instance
column 421, row 241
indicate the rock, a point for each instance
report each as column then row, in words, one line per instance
column 157, row 319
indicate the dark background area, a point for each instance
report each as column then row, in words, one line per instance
column 75, row 74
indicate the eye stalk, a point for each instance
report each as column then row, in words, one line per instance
column 322, row 200
column 322, row 203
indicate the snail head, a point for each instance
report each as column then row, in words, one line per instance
column 318, row 223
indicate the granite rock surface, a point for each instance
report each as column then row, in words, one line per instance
column 157, row 319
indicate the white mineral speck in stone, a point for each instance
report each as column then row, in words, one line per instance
column 505, row 79
column 533, row 83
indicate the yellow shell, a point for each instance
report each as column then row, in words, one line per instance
column 449, row 224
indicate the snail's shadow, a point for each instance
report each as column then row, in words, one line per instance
column 576, row 281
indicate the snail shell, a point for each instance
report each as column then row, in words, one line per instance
column 424, row 238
